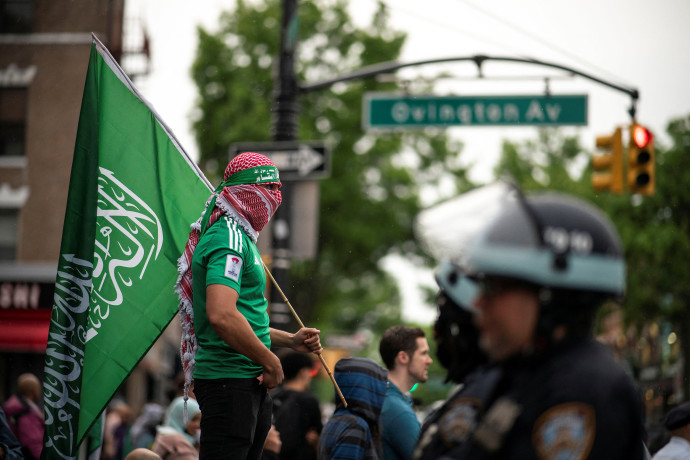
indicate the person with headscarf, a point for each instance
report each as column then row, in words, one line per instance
column 226, row 337
column 353, row 432
column 143, row 430
column 176, row 439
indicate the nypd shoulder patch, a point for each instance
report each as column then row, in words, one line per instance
column 565, row 432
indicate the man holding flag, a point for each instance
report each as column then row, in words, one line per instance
column 226, row 335
column 133, row 192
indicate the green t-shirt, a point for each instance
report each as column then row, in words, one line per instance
column 226, row 255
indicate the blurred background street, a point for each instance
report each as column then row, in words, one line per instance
column 344, row 247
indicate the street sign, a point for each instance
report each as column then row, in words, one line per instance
column 390, row 111
column 295, row 160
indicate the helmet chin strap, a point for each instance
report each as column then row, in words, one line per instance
column 563, row 314
column 547, row 322
column 560, row 261
column 456, row 340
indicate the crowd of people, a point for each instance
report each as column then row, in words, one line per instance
column 520, row 280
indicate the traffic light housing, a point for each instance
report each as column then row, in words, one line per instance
column 608, row 167
column 641, row 160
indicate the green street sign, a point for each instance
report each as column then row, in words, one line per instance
column 391, row 111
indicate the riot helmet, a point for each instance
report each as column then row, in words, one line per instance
column 456, row 336
column 554, row 241
column 456, row 285
column 547, row 239
column 567, row 249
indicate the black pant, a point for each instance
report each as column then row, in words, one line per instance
column 235, row 418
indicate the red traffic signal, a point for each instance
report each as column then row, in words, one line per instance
column 641, row 136
column 641, row 160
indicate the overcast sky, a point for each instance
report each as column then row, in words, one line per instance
column 635, row 43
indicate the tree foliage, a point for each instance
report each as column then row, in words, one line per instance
column 657, row 237
column 368, row 203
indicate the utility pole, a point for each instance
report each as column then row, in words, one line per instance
column 284, row 128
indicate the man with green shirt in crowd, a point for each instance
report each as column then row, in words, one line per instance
column 226, row 335
column 405, row 352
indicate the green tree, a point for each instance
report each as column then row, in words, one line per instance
column 657, row 241
column 549, row 162
column 368, row 204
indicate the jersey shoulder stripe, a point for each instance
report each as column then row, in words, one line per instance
column 235, row 235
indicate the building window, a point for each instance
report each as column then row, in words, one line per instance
column 9, row 228
column 11, row 139
column 13, row 112
column 13, row 103
column 16, row 16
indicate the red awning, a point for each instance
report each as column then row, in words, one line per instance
column 24, row 330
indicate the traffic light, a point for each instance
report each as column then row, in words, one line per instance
column 641, row 160
column 612, row 162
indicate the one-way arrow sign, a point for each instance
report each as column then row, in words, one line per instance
column 295, row 160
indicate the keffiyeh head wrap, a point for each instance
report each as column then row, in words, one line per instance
column 240, row 197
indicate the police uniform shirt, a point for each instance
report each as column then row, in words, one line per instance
column 572, row 401
column 450, row 426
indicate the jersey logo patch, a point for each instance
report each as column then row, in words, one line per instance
column 233, row 267
column 565, row 431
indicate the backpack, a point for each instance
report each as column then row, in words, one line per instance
column 13, row 422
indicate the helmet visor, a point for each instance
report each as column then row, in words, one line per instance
column 546, row 240
column 446, row 231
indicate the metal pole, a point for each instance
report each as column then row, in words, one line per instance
column 393, row 66
column 284, row 128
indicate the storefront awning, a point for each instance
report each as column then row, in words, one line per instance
column 24, row 331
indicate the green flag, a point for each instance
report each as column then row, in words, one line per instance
column 133, row 193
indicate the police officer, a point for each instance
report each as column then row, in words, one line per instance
column 543, row 265
column 457, row 349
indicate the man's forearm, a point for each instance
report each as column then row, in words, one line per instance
column 281, row 338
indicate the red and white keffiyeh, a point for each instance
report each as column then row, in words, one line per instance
column 251, row 206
